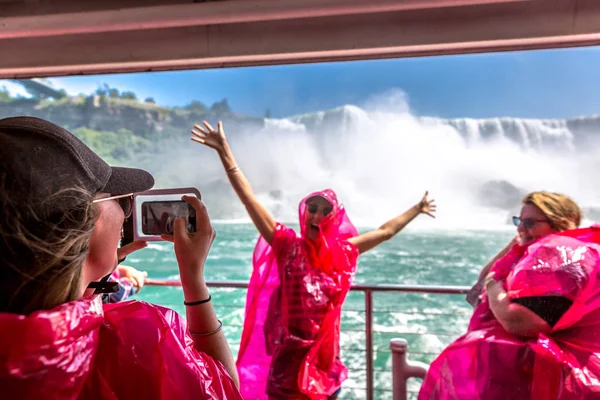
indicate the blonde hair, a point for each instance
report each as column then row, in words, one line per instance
column 42, row 249
column 561, row 210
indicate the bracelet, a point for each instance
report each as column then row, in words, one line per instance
column 196, row 303
column 211, row 332
column 232, row 169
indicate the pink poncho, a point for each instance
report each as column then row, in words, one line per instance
column 290, row 341
column 127, row 350
column 490, row 363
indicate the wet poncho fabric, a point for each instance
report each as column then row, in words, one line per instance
column 490, row 363
column 290, row 340
column 84, row 350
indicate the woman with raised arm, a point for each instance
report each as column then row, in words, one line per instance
column 290, row 341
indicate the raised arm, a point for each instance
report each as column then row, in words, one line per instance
column 262, row 219
column 369, row 240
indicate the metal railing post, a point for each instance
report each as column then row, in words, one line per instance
column 369, row 340
column 402, row 369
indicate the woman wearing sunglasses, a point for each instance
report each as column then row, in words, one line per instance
column 290, row 341
column 534, row 333
column 62, row 210
column 542, row 214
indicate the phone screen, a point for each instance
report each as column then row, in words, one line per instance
column 158, row 216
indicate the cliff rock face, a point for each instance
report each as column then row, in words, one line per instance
column 107, row 114
column 500, row 194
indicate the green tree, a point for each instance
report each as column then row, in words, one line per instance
column 128, row 95
column 113, row 146
column 102, row 90
column 196, row 106
column 5, row 95
column 221, row 107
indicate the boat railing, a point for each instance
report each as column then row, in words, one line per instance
column 402, row 368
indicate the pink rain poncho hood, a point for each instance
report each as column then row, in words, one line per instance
column 290, row 341
column 490, row 363
column 83, row 350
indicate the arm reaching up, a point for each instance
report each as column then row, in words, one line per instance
column 369, row 240
column 216, row 139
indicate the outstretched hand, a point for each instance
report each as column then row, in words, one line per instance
column 427, row 206
column 208, row 136
column 135, row 277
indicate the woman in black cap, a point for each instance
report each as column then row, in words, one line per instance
column 62, row 210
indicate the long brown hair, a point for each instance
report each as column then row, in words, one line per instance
column 42, row 248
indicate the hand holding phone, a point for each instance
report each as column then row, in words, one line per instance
column 155, row 212
column 158, row 217
column 192, row 250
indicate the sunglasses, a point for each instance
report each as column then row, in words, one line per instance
column 528, row 223
column 124, row 200
column 313, row 208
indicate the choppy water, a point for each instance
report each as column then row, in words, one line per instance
column 429, row 322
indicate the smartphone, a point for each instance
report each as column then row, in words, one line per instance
column 158, row 217
column 155, row 212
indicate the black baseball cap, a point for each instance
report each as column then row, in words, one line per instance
column 39, row 159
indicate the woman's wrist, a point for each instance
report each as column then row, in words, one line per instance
column 227, row 158
column 195, row 291
column 224, row 151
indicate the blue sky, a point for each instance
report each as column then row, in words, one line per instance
column 534, row 84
